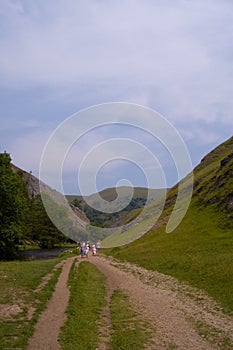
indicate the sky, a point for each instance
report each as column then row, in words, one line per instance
column 60, row 57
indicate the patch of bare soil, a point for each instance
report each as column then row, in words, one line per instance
column 7, row 311
column 184, row 317
column 50, row 321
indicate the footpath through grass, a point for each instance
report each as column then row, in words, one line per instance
column 129, row 332
column 198, row 251
column 87, row 299
column 20, row 305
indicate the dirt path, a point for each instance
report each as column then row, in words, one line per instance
column 182, row 317
column 50, row 321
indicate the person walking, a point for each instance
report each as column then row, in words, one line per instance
column 82, row 250
column 87, row 250
column 93, row 250
column 98, row 247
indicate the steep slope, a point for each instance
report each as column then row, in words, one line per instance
column 200, row 249
column 35, row 188
column 31, row 181
column 214, row 181
column 212, row 187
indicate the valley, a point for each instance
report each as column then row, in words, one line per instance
column 176, row 286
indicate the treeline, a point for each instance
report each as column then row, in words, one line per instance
column 22, row 218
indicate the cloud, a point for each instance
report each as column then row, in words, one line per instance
column 174, row 56
column 170, row 46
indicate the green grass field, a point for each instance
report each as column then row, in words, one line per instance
column 20, row 305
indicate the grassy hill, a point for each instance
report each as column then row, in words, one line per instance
column 109, row 194
column 108, row 220
column 200, row 250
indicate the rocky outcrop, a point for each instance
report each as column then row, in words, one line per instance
column 31, row 181
column 80, row 214
column 34, row 188
column 226, row 160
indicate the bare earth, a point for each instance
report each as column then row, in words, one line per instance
column 50, row 321
column 180, row 316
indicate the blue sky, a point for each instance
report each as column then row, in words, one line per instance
column 58, row 57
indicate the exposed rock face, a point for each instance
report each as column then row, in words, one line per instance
column 80, row 214
column 34, row 188
column 31, row 181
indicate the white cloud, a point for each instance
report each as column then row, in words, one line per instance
column 172, row 55
column 164, row 43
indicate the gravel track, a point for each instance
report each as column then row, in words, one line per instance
column 173, row 310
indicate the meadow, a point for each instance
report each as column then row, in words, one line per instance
column 22, row 298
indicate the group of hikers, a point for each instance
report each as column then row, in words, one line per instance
column 86, row 247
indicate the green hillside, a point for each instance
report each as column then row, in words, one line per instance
column 200, row 249
column 109, row 194
column 118, row 218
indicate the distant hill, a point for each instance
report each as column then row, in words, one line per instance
column 118, row 218
column 109, row 194
column 200, row 249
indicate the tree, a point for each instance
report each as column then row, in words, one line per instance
column 13, row 208
column 42, row 229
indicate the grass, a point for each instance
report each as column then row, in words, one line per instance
column 17, row 291
column 129, row 332
column 214, row 335
column 87, row 298
column 70, row 253
column 24, row 247
column 198, row 251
